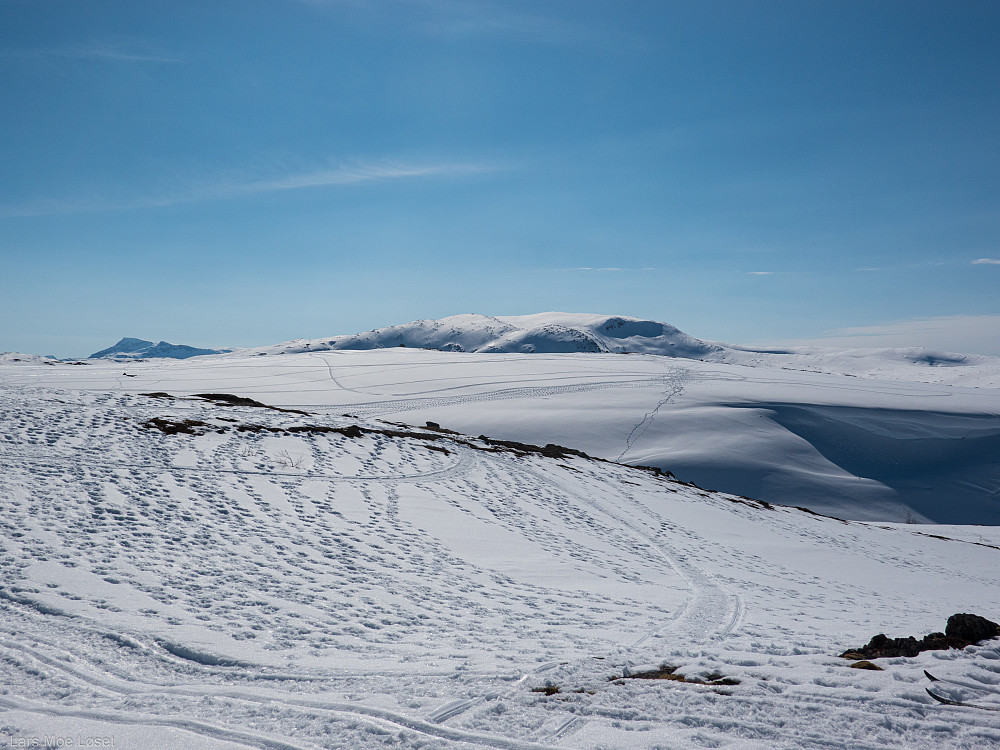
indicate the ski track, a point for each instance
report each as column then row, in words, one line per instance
column 674, row 386
column 399, row 405
column 380, row 716
column 90, row 494
column 201, row 728
column 709, row 611
column 99, row 472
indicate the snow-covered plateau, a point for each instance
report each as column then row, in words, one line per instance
column 365, row 547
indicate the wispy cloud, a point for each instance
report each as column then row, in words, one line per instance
column 333, row 176
column 608, row 269
column 760, row 273
column 987, row 261
column 349, row 175
column 99, row 50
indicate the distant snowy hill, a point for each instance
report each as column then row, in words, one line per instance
column 562, row 333
column 543, row 333
column 141, row 349
column 35, row 359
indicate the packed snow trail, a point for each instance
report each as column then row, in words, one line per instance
column 284, row 586
column 400, row 405
column 708, row 611
column 673, row 387
column 105, row 685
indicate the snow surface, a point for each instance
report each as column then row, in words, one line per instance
column 869, row 438
column 274, row 579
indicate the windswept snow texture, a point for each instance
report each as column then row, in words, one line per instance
column 544, row 333
column 177, row 572
column 141, row 349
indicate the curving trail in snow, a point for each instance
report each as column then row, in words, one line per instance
column 400, row 405
column 303, row 706
column 673, row 386
column 255, row 586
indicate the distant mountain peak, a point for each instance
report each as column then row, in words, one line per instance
column 130, row 348
column 541, row 333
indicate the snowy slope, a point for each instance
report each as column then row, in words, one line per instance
column 178, row 572
column 875, row 439
column 128, row 348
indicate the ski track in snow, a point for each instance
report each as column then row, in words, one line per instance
column 119, row 687
column 304, row 590
column 674, row 386
column 95, row 468
column 708, row 607
column 399, row 405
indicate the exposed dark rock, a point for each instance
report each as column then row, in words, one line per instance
column 228, row 399
column 549, row 451
column 972, row 628
column 963, row 630
column 865, row 664
column 653, row 470
column 438, row 428
column 668, row 672
column 546, row 689
column 173, row 427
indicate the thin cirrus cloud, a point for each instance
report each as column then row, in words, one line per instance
column 986, row 262
column 100, row 51
column 336, row 176
column 351, row 175
column 607, row 269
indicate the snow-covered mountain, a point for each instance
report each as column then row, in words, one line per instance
column 201, row 572
column 561, row 333
column 543, row 333
column 129, row 348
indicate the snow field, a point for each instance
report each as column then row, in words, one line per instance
column 250, row 585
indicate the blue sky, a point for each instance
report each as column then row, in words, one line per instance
column 241, row 173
